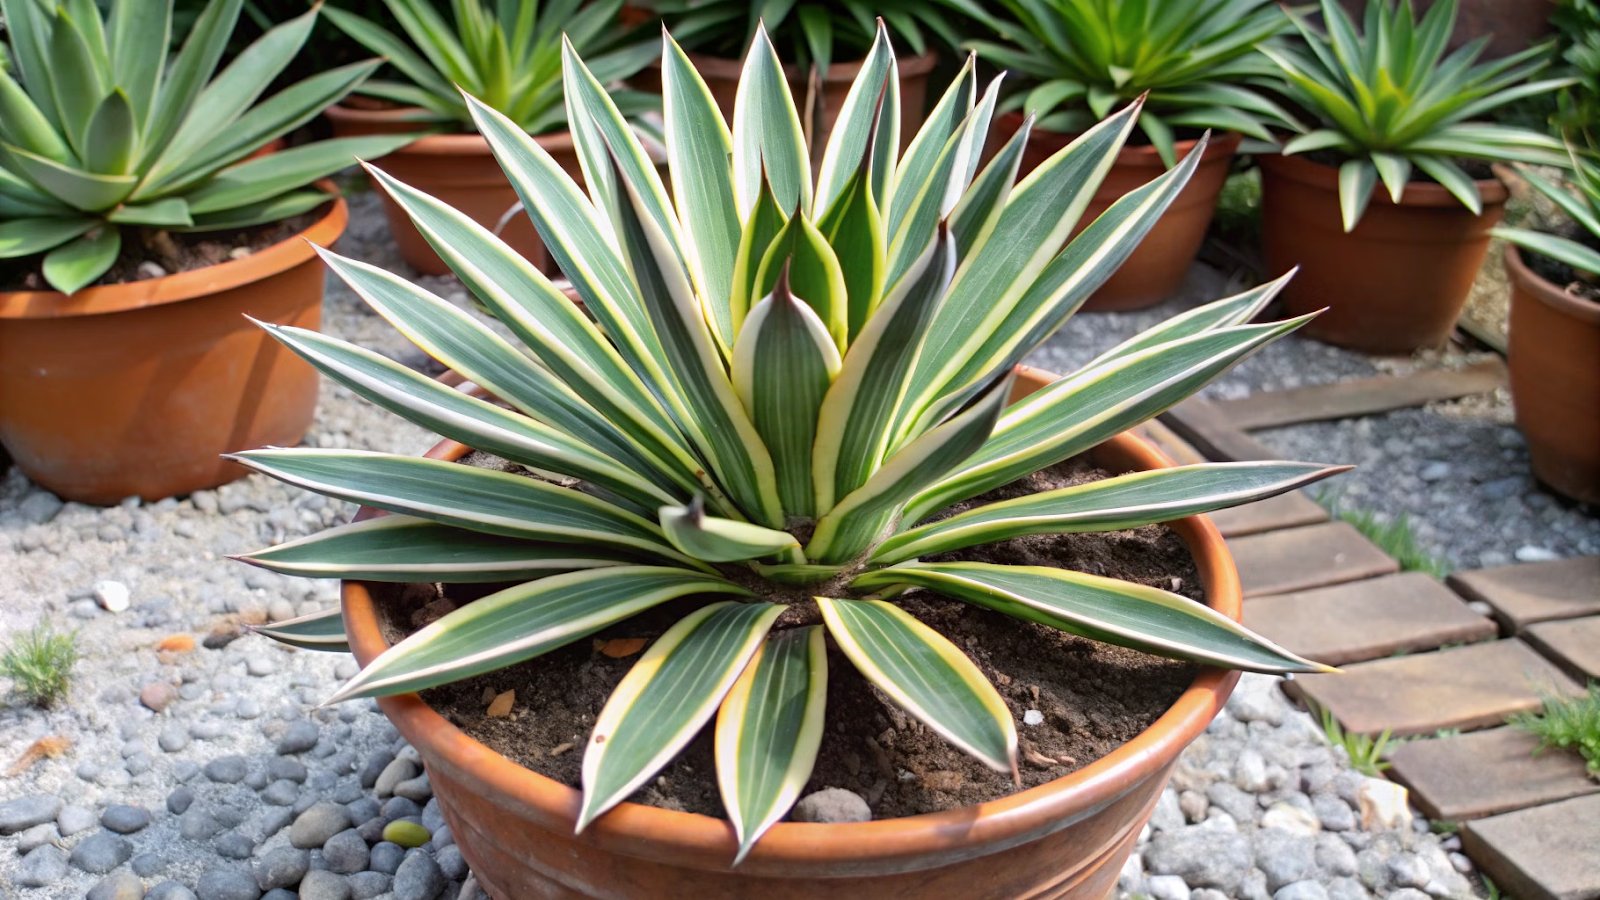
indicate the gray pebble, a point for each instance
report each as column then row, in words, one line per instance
column 374, row 767
column 1333, row 813
column 300, row 737
column 74, row 819
column 227, row 769
column 371, row 830
column 1202, row 856
column 318, row 823
column 260, row 664
column 281, row 867
column 1283, row 857
column 180, row 799
column 346, row 852
column 38, row 835
column 44, row 865
column 25, row 812
column 281, row 793
column 278, row 894
column 451, row 863
column 170, row 890
column 1301, row 890
column 367, row 885
column 138, row 764
column 833, row 805
column 1408, row 870
column 197, row 824
column 418, row 789
column 418, row 878
column 226, row 884
column 185, row 770
column 256, row 780
column 125, row 818
column 248, row 708
column 148, row 864
column 173, row 738
column 366, row 809
column 101, row 852
column 283, row 768
column 347, row 792
column 385, row 857
column 1166, row 887
column 208, row 730
column 234, row 845
column 401, row 808
column 393, row 774
column 320, row 884
column 442, row 837
column 432, row 815
column 117, row 886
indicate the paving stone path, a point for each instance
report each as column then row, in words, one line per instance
column 1442, row 663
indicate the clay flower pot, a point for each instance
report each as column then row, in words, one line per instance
column 459, row 170
column 722, row 79
column 136, row 389
column 1065, row 839
column 1555, row 380
column 1158, row 265
column 1394, row 284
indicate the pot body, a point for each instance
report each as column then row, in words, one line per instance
column 1157, row 267
column 722, row 79
column 1394, row 284
column 1065, row 839
column 459, row 170
column 1554, row 359
column 136, row 389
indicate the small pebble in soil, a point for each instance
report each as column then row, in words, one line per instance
column 832, row 805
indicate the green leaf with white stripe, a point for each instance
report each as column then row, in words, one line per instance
column 813, row 272
column 321, row 631
column 782, row 366
column 761, row 227
column 1102, row 609
column 1224, row 313
column 1073, row 414
column 409, row 549
column 521, row 623
column 699, row 148
column 704, row 399
column 715, row 539
column 854, row 230
column 853, row 423
column 978, row 211
column 925, row 675
column 476, row 423
column 868, row 127
column 1357, row 179
column 768, row 141
column 1111, row 504
column 668, row 695
column 463, row 496
column 864, row 515
column 769, row 729
column 917, row 164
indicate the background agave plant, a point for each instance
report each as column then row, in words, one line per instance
column 1582, row 250
column 506, row 53
column 1390, row 99
column 782, row 383
column 1197, row 59
column 99, row 130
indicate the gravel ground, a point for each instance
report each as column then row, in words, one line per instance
column 204, row 770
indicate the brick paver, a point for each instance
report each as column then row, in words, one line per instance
column 1573, row 644
column 1297, row 559
column 1535, row 592
column 1291, row 510
column 1484, row 773
column 1549, row 852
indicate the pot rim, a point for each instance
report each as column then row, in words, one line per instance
column 1223, row 143
column 687, row 838
column 1416, row 194
column 111, row 298
column 838, row 71
column 1562, row 301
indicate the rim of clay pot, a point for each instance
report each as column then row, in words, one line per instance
column 1417, row 193
column 685, row 838
column 110, row 298
column 450, row 144
column 1223, row 143
column 1562, row 301
column 730, row 69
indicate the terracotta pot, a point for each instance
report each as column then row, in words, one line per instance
column 1394, row 284
column 722, row 78
column 1065, row 839
column 135, row 389
column 1555, row 380
column 459, row 170
column 1157, row 267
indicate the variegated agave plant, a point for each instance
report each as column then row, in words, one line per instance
column 781, row 386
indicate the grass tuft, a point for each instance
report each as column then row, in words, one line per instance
column 1393, row 536
column 1568, row 723
column 39, row 663
column 1366, row 753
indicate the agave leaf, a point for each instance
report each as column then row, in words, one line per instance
column 463, row 496
column 454, row 415
column 1104, row 609
column 187, row 74
column 82, row 260
column 25, row 237
column 974, row 217
column 29, row 36
column 795, row 573
column 80, row 82
column 813, row 272
column 1556, row 247
column 74, row 187
column 917, row 164
column 1112, row 504
column 261, row 179
column 927, row 676
column 521, row 623
column 866, row 513
column 853, row 423
column 782, row 366
column 697, row 143
column 1073, row 414
column 761, row 227
column 24, row 124
column 854, row 230
column 767, row 137
column 111, row 137
column 769, row 729
column 666, row 697
column 172, row 212
column 715, row 539
column 386, row 44
column 322, row 631
column 1357, row 178
column 1457, row 182
column 139, row 37
column 277, row 209
column 868, row 127
column 409, row 549
column 1229, row 311
column 1395, row 172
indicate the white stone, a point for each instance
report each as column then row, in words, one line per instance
column 1032, row 717
column 1291, row 818
column 1383, row 805
column 113, row 595
column 1530, row 553
column 1167, row 887
column 1250, row 772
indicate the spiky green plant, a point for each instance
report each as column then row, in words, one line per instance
column 1390, row 99
column 780, row 388
column 1583, row 207
column 506, row 53
column 100, row 131
column 1568, row 723
column 1196, row 59
column 39, row 663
